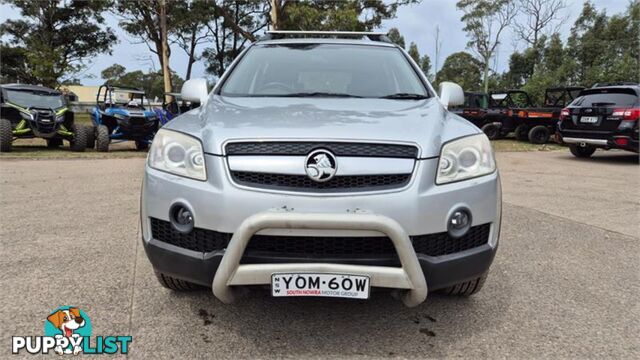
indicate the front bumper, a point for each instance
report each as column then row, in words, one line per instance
column 419, row 208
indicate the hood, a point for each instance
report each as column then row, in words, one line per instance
column 424, row 123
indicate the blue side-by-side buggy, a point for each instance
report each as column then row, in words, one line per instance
column 173, row 108
column 120, row 115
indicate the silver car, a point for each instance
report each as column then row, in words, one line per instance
column 322, row 164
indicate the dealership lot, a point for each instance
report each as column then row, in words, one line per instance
column 564, row 283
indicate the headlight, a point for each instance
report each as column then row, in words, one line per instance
column 60, row 118
column 119, row 116
column 465, row 158
column 178, row 154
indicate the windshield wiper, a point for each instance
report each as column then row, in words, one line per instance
column 405, row 96
column 318, row 94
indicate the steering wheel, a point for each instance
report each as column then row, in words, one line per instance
column 278, row 86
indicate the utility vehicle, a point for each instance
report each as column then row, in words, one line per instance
column 121, row 114
column 30, row 111
column 173, row 108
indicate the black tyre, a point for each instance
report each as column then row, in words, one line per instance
column 582, row 151
column 142, row 145
column 6, row 135
column 176, row 284
column 91, row 136
column 54, row 143
column 522, row 132
column 467, row 288
column 102, row 138
column 491, row 130
column 539, row 134
column 79, row 141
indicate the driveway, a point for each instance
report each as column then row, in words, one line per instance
column 565, row 282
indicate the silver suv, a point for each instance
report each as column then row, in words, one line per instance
column 322, row 164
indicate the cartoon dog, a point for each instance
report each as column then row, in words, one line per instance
column 67, row 321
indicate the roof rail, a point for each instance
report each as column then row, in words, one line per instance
column 373, row 36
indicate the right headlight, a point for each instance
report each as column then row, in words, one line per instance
column 465, row 158
column 178, row 154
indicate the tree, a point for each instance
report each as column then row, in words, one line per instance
column 537, row 14
column 395, row 37
column 191, row 30
column 463, row 69
column 113, row 72
column 485, row 21
column 352, row 15
column 224, row 32
column 54, row 39
column 423, row 61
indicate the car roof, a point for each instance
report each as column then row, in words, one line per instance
column 27, row 87
column 323, row 40
column 599, row 89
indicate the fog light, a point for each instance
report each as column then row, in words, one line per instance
column 181, row 218
column 459, row 223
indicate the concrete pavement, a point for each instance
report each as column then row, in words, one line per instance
column 564, row 283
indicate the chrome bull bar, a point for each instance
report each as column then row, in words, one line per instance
column 408, row 277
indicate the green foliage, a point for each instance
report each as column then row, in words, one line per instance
column 395, row 36
column 463, row 69
column 151, row 82
column 346, row 15
column 53, row 39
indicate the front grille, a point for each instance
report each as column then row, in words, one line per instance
column 198, row 240
column 320, row 246
column 338, row 148
column 337, row 184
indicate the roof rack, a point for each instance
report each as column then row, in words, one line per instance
column 373, row 36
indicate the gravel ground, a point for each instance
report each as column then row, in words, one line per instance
column 564, row 284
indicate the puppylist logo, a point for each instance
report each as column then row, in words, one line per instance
column 67, row 330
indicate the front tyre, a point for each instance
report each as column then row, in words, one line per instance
column 176, row 284
column 492, row 131
column 91, row 136
column 466, row 288
column 582, row 151
column 102, row 138
column 6, row 135
column 79, row 141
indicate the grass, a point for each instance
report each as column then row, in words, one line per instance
column 511, row 145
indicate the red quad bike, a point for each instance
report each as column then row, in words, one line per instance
column 537, row 124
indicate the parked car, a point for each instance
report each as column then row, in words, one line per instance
column 29, row 111
column 602, row 117
column 325, row 165
column 173, row 108
column 121, row 114
column 537, row 124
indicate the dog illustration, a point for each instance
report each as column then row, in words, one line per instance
column 67, row 321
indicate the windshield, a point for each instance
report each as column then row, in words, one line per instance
column 323, row 70
column 29, row 99
column 606, row 99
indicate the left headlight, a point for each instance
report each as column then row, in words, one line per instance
column 178, row 154
column 465, row 158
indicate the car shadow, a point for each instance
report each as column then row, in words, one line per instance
column 380, row 326
column 610, row 157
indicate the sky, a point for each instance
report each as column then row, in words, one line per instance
column 417, row 23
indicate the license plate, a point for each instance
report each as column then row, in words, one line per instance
column 589, row 119
column 325, row 285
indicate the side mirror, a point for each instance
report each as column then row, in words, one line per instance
column 451, row 94
column 195, row 90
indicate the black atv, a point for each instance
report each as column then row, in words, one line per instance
column 29, row 111
column 504, row 104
